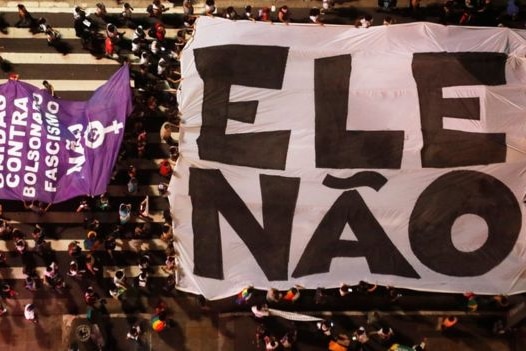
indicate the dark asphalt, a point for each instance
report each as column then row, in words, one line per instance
column 237, row 332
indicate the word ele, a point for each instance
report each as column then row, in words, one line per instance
column 220, row 67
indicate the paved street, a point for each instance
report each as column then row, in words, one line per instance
column 219, row 325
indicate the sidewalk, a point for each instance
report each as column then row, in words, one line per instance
column 470, row 335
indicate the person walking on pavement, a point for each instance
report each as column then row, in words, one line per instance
column 159, row 319
column 92, row 264
column 126, row 15
column 167, row 233
column 25, row 19
column 270, row 343
column 100, row 11
column 244, row 295
column 74, row 271
column 8, row 292
column 30, row 283
column 169, row 283
column 49, row 88
column 124, row 213
column 74, row 250
column 91, row 243
column 142, row 142
column 142, row 281
column 110, row 243
column 135, row 333
column 30, row 313
column 165, row 169
column 53, row 279
column 339, row 343
column 326, row 327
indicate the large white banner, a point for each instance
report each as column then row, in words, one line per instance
column 317, row 155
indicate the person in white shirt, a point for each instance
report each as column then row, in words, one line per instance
column 29, row 313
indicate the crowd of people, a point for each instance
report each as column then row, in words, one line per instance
column 156, row 79
column 159, row 55
column 376, row 332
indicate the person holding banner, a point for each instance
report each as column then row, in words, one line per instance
column 170, row 265
column 24, row 18
column 292, row 295
column 117, row 292
column 21, row 245
column 273, row 295
column 314, row 16
column 264, row 15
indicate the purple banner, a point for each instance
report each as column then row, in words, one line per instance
column 52, row 149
